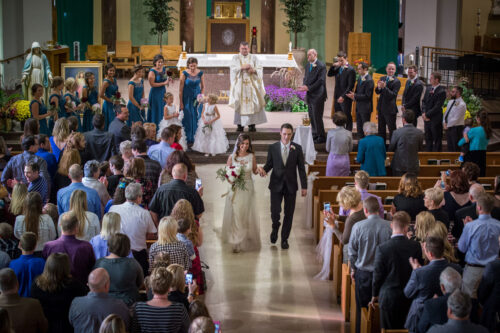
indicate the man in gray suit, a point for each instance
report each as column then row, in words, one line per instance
column 459, row 307
column 406, row 142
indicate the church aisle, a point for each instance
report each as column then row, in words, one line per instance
column 267, row 291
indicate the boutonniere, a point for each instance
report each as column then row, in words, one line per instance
column 314, row 65
column 363, row 79
column 292, row 147
column 391, row 79
column 346, row 66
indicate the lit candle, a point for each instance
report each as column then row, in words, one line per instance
column 411, row 58
column 290, row 47
column 183, row 46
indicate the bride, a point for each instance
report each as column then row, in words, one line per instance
column 240, row 226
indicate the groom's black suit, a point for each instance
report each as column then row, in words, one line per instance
column 283, row 184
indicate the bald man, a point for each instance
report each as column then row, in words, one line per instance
column 87, row 313
column 168, row 194
column 470, row 211
column 315, row 88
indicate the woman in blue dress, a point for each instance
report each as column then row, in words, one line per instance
column 109, row 89
column 158, row 80
column 192, row 84
column 90, row 93
column 135, row 94
column 73, row 103
column 38, row 108
column 56, row 100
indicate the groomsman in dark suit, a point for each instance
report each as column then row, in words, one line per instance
column 345, row 77
column 387, row 87
column 413, row 93
column 432, row 113
column 314, row 85
column 363, row 97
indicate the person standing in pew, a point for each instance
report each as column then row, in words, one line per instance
column 345, row 78
column 392, row 272
column 387, row 87
column 432, row 113
column 338, row 145
column 433, row 200
column 371, row 151
column 406, row 142
column 412, row 94
column 363, row 98
column 362, row 182
column 366, row 235
column 453, row 121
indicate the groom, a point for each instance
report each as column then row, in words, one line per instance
column 284, row 158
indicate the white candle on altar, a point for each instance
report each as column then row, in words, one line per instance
column 183, row 46
column 290, row 47
column 411, row 59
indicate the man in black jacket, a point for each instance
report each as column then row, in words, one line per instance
column 432, row 113
column 99, row 144
column 413, row 93
column 119, row 127
column 285, row 158
column 363, row 97
column 387, row 87
column 314, row 85
column 434, row 311
column 392, row 272
column 345, row 78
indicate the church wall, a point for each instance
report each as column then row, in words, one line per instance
column 123, row 20
column 281, row 37
column 37, row 20
column 420, row 24
column 448, row 23
column 332, row 29
column 174, row 36
column 469, row 19
column 200, row 26
column 97, row 22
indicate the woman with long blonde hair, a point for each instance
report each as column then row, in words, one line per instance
column 59, row 136
column 35, row 221
column 439, row 230
column 19, row 193
column 167, row 242
column 111, row 224
column 88, row 222
column 184, row 210
column 425, row 221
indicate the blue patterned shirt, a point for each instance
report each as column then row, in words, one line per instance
column 40, row 185
column 93, row 200
column 479, row 240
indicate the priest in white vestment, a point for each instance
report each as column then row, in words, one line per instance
column 247, row 90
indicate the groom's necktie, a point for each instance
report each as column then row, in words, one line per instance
column 284, row 154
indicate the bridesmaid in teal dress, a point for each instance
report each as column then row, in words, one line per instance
column 56, row 99
column 71, row 97
column 158, row 80
column 38, row 108
column 192, row 84
column 135, row 94
column 89, row 92
column 109, row 89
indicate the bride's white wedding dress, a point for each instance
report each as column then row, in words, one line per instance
column 240, row 226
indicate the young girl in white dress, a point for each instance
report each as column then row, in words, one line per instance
column 172, row 117
column 210, row 137
column 240, row 226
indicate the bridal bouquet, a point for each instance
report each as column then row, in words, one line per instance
column 96, row 108
column 144, row 103
column 234, row 175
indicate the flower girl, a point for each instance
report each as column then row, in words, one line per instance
column 172, row 117
column 210, row 137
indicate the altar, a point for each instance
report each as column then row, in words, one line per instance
column 215, row 68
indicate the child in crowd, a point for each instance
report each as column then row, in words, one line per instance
column 465, row 147
column 7, row 243
column 210, row 136
column 172, row 117
column 73, row 104
column 28, row 266
column 179, row 130
column 51, row 210
column 183, row 230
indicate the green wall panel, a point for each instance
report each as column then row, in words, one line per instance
column 314, row 36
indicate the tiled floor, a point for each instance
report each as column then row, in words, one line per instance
column 271, row 290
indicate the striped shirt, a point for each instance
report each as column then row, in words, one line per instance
column 170, row 319
column 40, row 185
column 177, row 251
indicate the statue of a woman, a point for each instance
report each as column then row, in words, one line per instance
column 36, row 70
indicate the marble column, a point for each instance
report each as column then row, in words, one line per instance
column 346, row 23
column 187, row 24
column 267, row 23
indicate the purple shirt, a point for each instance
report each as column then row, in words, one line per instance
column 364, row 195
column 81, row 255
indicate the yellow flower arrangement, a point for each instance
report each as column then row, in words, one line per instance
column 23, row 110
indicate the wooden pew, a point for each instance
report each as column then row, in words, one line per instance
column 337, row 255
column 425, row 170
column 352, row 308
column 424, row 157
column 370, row 319
column 394, row 331
column 345, row 294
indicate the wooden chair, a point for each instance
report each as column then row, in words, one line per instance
column 171, row 53
column 147, row 53
column 97, row 53
column 124, row 58
column 370, row 319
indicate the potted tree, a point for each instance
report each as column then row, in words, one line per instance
column 160, row 13
column 297, row 13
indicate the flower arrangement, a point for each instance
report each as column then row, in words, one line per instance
column 279, row 99
column 22, row 110
column 371, row 69
column 144, row 103
column 206, row 128
column 234, row 176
